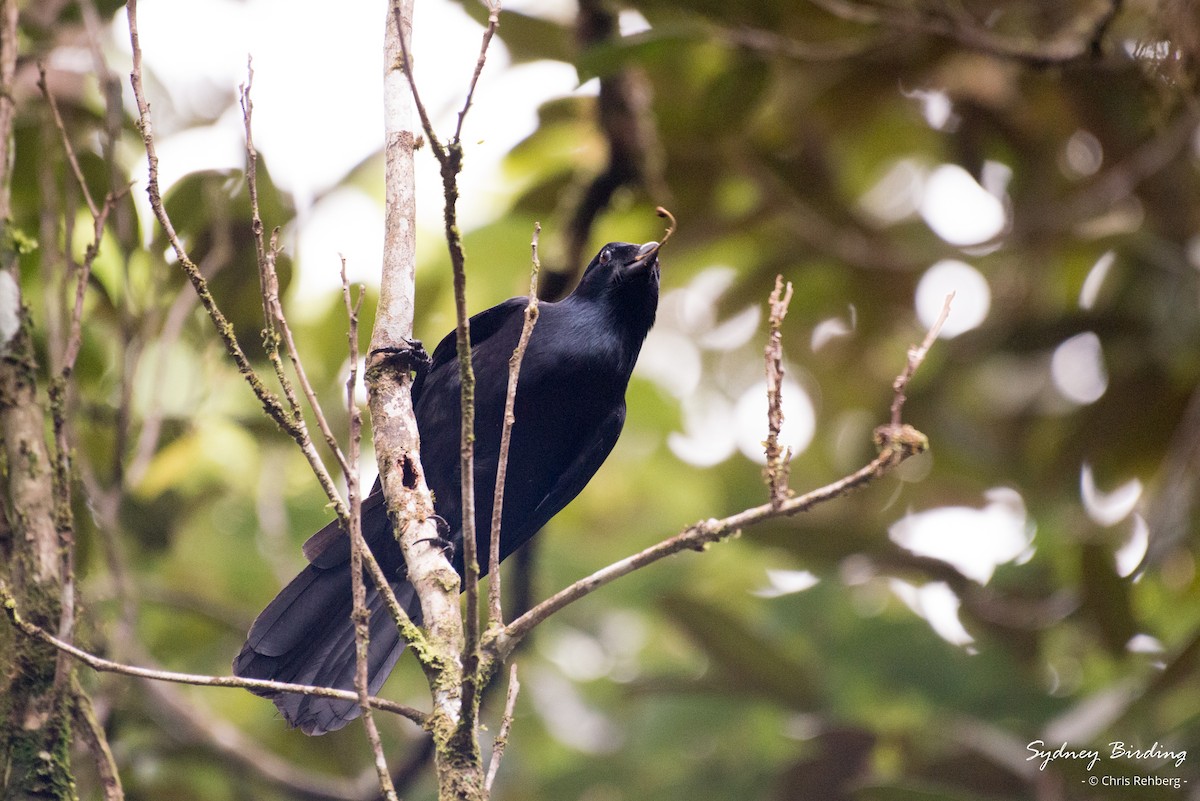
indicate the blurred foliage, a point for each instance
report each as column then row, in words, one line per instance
column 793, row 138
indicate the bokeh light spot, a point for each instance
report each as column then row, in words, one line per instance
column 1077, row 368
column 958, row 209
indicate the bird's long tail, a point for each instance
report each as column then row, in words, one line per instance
column 305, row 635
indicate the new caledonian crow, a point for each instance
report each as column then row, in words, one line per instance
column 570, row 407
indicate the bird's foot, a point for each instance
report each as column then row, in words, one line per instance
column 442, row 540
column 410, row 357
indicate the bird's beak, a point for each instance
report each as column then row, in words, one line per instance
column 647, row 254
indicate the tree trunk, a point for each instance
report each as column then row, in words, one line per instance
column 35, row 696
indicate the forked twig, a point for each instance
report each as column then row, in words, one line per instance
column 275, row 324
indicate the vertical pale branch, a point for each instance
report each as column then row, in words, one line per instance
column 457, row 754
column 389, row 383
column 493, row 7
column 496, row 612
column 778, row 466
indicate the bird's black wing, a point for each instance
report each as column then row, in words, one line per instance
column 483, row 326
column 570, row 482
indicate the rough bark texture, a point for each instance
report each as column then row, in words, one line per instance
column 35, row 710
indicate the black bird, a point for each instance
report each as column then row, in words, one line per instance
column 570, row 408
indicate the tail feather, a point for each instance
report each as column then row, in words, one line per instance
column 309, row 641
column 305, row 636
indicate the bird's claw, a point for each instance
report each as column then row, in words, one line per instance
column 442, row 540
column 410, row 357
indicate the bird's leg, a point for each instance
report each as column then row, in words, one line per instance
column 410, row 357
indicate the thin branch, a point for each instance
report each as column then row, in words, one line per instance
column 275, row 326
column 91, row 733
column 435, row 144
column 778, row 467
column 896, row 442
column 66, row 140
column 916, row 355
column 310, row 395
column 60, row 385
column 501, row 741
column 58, row 390
column 493, row 7
column 699, row 536
column 103, row 665
column 496, row 612
column 270, row 343
column 360, row 615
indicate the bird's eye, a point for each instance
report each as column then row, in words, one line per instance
column 605, row 256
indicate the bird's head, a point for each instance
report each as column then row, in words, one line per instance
column 621, row 285
column 620, row 268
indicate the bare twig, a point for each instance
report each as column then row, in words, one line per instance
column 702, row 534
column 360, row 615
column 896, row 442
column 66, row 140
column 778, row 467
column 493, row 7
column 91, row 733
column 501, row 741
column 916, row 355
column 275, row 325
column 103, row 665
column 496, row 612
column 405, row 66
column 58, row 394
column 289, row 342
column 60, row 386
